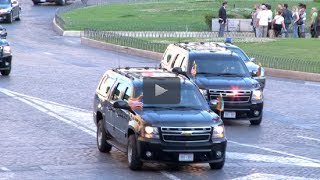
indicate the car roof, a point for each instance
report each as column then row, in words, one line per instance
column 138, row 73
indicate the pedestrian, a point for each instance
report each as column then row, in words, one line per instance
column 302, row 20
column 287, row 15
column 254, row 15
column 295, row 19
column 270, row 17
column 314, row 15
column 278, row 24
column 262, row 22
column 280, row 7
column 316, row 25
column 222, row 18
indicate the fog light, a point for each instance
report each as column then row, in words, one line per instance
column 256, row 113
column 148, row 154
column 219, row 154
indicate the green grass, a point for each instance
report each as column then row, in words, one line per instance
column 175, row 15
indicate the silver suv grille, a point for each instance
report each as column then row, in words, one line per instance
column 186, row 134
column 230, row 95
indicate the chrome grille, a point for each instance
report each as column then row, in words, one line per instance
column 230, row 96
column 186, row 134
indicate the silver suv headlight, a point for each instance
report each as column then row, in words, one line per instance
column 218, row 131
column 257, row 95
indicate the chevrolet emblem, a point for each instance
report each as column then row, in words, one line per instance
column 186, row 133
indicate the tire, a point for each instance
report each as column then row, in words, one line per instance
column 10, row 18
column 218, row 165
column 18, row 18
column 102, row 144
column 5, row 72
column 61, row 2
column 256, row 122
column 134, row 161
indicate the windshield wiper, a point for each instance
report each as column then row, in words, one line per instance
column 231, row 74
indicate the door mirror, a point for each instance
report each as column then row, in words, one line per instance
column 178, row 70
column 254, row 74
column 3, row 34
column 121, row 105
column 252, row 59
column 14, row 2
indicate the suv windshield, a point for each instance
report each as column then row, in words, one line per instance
column 240, row 53
column 190, row 98
column 5, row 2
column 224, row 66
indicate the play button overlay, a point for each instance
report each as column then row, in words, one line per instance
column 161, row 90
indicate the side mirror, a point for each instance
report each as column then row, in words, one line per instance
column 178, row 70
column 254, row 74
column 14, row 2
column 3, row 35
column 121, row 105
column 252, row 59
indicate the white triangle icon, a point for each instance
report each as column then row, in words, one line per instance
column 158, row 90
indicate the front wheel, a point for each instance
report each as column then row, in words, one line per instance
column 102, row 143
column 134, row 161
column 5, row 72
column 10, row 18
column 218, row 165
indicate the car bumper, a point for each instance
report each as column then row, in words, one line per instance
column 244, row 111
column 5, row 63
column 4, row 16
column 169, row 152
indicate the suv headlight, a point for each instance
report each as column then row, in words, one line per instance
column 150, row 132
column 257, row 95
column 218, row 131
column 204, row 92
column 6, row 50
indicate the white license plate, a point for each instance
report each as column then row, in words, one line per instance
column 186, row 157
column 43, row 1
column 228, row 114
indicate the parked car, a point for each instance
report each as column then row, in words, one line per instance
column 58, row 2
column 186, row 131
column 218, row 72
column 10, row 10
column 5, row 57
column 250, row 63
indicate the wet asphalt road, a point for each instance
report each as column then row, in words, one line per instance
column 60, row 74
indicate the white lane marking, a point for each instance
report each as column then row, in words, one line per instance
column 275, row 151
column 170, row 176
column 48, row 53
column 262, row 176
column 79, row 118
column 73, row 116
column 4, row 169
column 309, row 138
column 271, row 159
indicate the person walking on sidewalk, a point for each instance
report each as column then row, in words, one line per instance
column 287, row 15
column 316, row 25
column 295, row 19
column 302, row 20
column 262, row 22
column 222, row 18
column 278, row 24
column 254, row 18
column 314, row 15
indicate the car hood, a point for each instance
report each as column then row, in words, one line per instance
column 5, row 6
column 225, row 83
column 179, row 118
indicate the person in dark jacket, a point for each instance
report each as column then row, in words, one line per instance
column 316, row 25
column 222, row 18
column 287, row 15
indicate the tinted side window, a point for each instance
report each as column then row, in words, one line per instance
column 168, row 58
column 118, row 91
column 106, row 85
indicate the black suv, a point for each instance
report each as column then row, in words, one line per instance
column 218, row 72
column 156, row 115
column 5, row 57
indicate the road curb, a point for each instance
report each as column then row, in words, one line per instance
column 121, row 49
column 157, row 56
column 62, row 32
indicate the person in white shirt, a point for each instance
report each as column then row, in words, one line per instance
column 278, row 24
column 262, row 22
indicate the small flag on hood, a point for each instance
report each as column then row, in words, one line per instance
column 220, row 104
column 194, row 69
